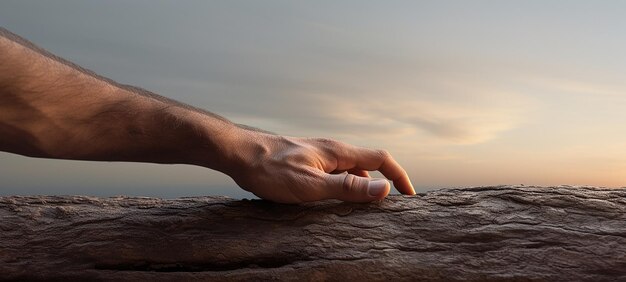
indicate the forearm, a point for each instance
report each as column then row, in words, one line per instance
column 50, row 108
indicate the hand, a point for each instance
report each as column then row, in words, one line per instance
column 49, row 108
column 293, row 170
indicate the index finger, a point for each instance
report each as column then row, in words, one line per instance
column 381, row 160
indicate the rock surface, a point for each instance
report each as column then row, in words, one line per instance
column 485, row 233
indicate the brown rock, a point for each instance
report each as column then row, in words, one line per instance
column 487, row 233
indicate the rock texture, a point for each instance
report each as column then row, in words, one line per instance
column 487, row 233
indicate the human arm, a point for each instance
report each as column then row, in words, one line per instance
column 51, row 108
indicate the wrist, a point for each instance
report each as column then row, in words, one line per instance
column 235, row 149
column 203, row 139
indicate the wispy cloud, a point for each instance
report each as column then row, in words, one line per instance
column 535, row 92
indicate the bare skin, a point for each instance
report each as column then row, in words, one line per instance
column 50, row 108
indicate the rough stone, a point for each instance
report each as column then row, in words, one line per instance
column 512, row 233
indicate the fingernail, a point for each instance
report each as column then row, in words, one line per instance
column 376, row 187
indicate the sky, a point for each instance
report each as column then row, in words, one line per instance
column 462, row 93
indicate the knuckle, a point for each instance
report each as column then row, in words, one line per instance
column 331, row 147
column 383, row 154
column 327, row 142
column 349, row 183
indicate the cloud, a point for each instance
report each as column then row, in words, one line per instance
column 375, row 116
column 446, row 89
column 313, row 76
column 362, row 106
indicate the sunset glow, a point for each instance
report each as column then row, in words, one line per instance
column 462, row 93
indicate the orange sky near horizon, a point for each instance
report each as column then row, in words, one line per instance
column 462, row 93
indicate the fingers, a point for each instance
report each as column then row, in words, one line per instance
column 355, row 171
column 352, row 158
column 352, row 188
column 359, row 172
column 368, row 159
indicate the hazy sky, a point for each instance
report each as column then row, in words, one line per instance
column 462, row 93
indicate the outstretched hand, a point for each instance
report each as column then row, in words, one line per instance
column 293, row 170
column 53, row 109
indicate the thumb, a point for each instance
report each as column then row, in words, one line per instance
column 352, row 188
